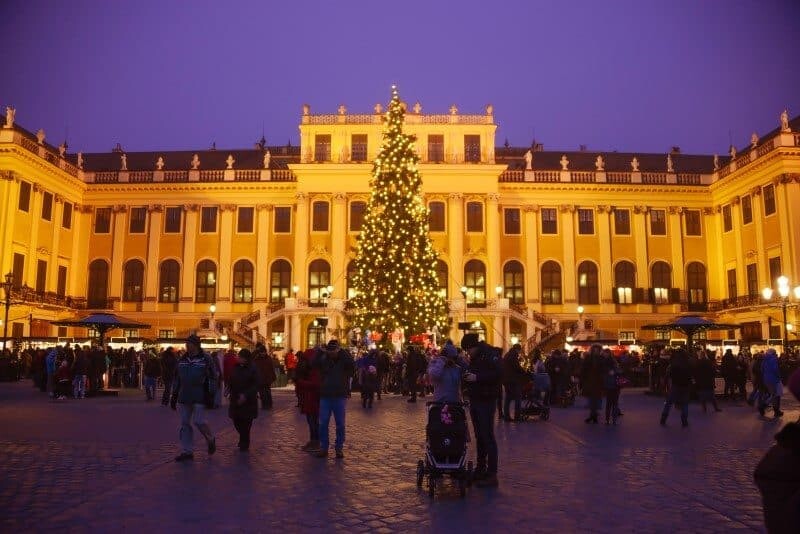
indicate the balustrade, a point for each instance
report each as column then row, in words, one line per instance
column 618, row 177
column 688, row 179
column 582, row 177
column 176, row 176
column 140, row 177
column 546, row 176
column 247, row 176
column 108, row 177
column 212, row 176
column 654, row 178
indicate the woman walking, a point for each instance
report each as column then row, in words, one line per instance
column 680, row 377
column 244, row 382
column 592, row 379
column 611, row 387
column 308, row 381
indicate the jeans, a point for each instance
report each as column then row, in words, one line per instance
column 79, row 386
column 612, row 404
column 196, row 413
column 677, row 395
column 482, row 413
column 513, row 392
column 167, row 391
column 313, row 427
column 243, row 426
column 150, row 387
column 328, row 406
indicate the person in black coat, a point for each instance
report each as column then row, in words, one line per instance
column 705, row 380
column 680, row 378
column 514, row 378
column 243, row 407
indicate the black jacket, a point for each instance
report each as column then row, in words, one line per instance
column 778, row 479
column 336, row 372
column 244, row 380
column 487, row 367
column 704, row 375
column 513, row 373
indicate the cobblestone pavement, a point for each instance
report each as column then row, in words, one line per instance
column 107, row 464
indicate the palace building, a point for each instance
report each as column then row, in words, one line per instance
column 532, row 243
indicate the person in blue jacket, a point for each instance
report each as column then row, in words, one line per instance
column 771, row 376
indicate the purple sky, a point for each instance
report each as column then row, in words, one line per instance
column 617, row 75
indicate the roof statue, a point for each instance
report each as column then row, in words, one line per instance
column 11, row 113
column 267, row 157
column 599, row 164
column 716, row 162
column 732, row 152
column 489, row 109
column 670, row 166
column 754, row 140
column 160, row 163
column 195, row 162
column 528, row 160
column 417, row 107
column 635, row 164
column 342, row 110
column 123, row 162
column 564, row 162
column 378, row 109
column 40, row 136
column 784, row 120
column 453, row 110
column 306, row 109
column 230, row 161
column 80, row 160
column 62, row 149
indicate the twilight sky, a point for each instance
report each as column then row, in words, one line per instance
column 632, row 75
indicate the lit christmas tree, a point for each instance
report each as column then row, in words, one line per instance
column 395, row 267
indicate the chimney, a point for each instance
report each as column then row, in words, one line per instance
column 676, row 150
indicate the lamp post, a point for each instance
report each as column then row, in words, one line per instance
column 464, row 293
column 7, row 287
column 783, row 292
column 212, row 324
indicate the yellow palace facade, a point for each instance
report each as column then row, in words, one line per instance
column 257, row 243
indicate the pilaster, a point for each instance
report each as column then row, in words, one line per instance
column 338, row 240
column 188, row 268
column 36, row 217
column 118, row 250
column 153, row 257
column 532, row 291
column 493, row 242
column 225, row 267
column 52, row 264
column 674, row 215
column 606, row 274
column 568, row 277
column 455, row 242
column 640, row 232
column 262, row 273
column 300, row 227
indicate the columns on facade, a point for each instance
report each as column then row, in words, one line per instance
column 36, row 217
column 640, row 231
column 455, row 242
column 52, row 264
column 295, row 334
column 741, row 269
column 568, row 279
column 263, row 214
column 786, row 197
column 188, row 268
column 299, row 271
column 715, row 255
column 338, row 240
column 493, row 241
column 676, row 245
column 606, row 272
column 77, row 275
column 532, row 290
column 118, row 250
column 762, row 264
column 10, row 196
column 227, row 212
column 155, row 212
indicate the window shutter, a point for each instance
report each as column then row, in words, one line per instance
column 674, row 295
column 651, row 295
column 614, row 295
column 638, row 295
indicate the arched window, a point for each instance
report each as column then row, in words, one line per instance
column 442, row 276
column 351, row 273
column 242, row 281
column 132, row 281
column 514, row 282
column 661, row 279
column 280, row 280
column 169, row 281
column 624, row 282
column 587, row 283
column 696, row 283
column 319, row 278
column 206, row 282
column 551, row 283
column 475, row 280
column 97, row 295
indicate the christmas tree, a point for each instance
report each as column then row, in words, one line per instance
column 395, row 267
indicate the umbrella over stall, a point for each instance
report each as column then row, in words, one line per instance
column 102, row 322
column 689, row 325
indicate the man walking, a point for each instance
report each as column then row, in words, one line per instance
column 336, row 367
column 513, row 378
column 266, row 373
column 194, row 368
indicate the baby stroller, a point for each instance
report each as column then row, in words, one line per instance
column 445, row 446
column 533, row 395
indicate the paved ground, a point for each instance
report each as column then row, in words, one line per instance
column 106, row 464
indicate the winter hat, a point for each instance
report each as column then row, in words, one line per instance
column 469, row 341
column 332, row 346
column 246, row 354
column 450, row 351
column 771, row 352
column 194, row 340
column 794, row 384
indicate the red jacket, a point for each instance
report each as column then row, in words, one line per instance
column 229, row 362
column 308, row 384
column 291, row 361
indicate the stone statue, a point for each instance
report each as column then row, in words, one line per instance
column 670, row 167
column 564, row 162
column 160, row 163
column 40, row 136
column 306, row 109
column 784, row 120
column 62, row 149
column 123, row 162
column 453, row 110
column 528, row 160
column 599, row 164
column 716, row 162
column 342, row 110
column 635, row 164
column 754, row 140
column 80, row 160
column 195, row 162
column 267, row 157
column 378, row 109
column 230, row 161
column 11, row 114
column 417, row 108
column 489, row 109
column 732, row 152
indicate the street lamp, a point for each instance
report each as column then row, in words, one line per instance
column 498, row 289
column 464, row 293
column 783, row 292
column 7, row 287
column 295, row 290
column 212, row 324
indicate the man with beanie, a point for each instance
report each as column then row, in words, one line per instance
column 483, row 383
column 771, row 376
column 336, row 368
column 194, row 369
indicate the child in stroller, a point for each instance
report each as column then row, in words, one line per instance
column 534, row 397
column 445, row 446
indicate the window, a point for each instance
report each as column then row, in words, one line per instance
column 551, row 283
column 130, row 333
column 436, row 217
column 358, row 143
column 315, row 333
column 472, row 148
column 585, row 221
column 322, row 148
column 622, row 222
column 133, row 280
column 47, row 206
column 242, row 281
column 587, row 283
column 475, row 281
column 24, row 196
column 18, row 270
column 696, row 283
column 661, row 277
column 66, row 216
column 102, row 220
column 727, row 221
column 97, row 295
column 138, row 220
column 172, row 220
column 752, row 280
column 319, row 278
column 41, row 276
column 624, row 282
column 351, row 275
column 206, row 283
column 549, row 221
column 244, row 220
column 662, row 335
column 692, row 218
column 514, row 282
column 774, row 331
column 512, row 221
column 283, row 220
column 733, row 293
column 169, row 281
column 280, row 280
column 62, row 331
column 435, row 148
column 320, row 216
column 474, row 217
column 747, row 210
column 442, row 275
column 166, row 334
column 774, row 270
column 208, row 219
column 61, row 284
column 769, row 199
column 358, row 209
column 658, row 222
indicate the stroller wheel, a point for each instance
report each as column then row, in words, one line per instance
column 420, row 473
